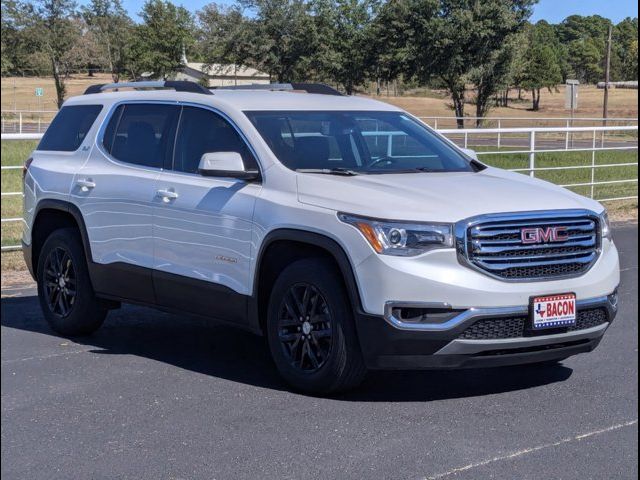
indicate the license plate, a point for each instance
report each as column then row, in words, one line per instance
column 553, row 311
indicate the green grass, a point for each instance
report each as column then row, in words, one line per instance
column 571, row 159
column 13, row 153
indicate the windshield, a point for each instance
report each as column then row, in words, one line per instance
column 356, row 142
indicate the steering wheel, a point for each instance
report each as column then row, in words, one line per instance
column 385, row 159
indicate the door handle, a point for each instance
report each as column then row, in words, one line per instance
column 167, row 195
column 85, row 184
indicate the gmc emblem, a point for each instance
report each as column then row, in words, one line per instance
column 544, row 235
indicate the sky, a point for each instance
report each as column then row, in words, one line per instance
column 554, row 11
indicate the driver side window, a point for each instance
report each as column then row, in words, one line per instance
column 203, row 131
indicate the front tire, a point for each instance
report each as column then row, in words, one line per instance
column 310, row 329
column 66, row 296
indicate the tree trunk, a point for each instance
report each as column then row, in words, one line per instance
column 457, row 90
column 348, row 87
column 59, row 83
column 536, row 99
column 519, row 93
column 506, row 98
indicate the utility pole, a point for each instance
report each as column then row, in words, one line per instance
column 607, row 71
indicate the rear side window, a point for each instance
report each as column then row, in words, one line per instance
column 69, row 128
column 203, row 131
column 142, row 134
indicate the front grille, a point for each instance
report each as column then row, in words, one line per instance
column 516, row 327
column 495, row 245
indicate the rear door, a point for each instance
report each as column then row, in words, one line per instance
column 116, row 191
column 203, row 226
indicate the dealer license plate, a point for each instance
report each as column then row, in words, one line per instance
column 553, row 311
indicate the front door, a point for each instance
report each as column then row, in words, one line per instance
column 203, row 225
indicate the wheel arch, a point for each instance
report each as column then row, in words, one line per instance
column 282, row 246
column 51, row 215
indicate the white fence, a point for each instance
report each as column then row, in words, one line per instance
column 37, row 121
column 529, row 142
column 25, row 121
column 439, row 122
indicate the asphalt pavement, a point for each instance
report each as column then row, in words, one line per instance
column 159, row 396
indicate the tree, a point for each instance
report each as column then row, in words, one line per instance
column 112, row 29
column 52, row 22
column 389, row 34
column 158, row 43
column 224, row 35
column 585, row 39
column 283, row 38
column 625, row 50
column 492, row 76
column 344, row 28
column 543, row 68
column 451, row 40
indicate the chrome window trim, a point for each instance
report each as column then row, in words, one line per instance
column 472, row 314
column 462, row 227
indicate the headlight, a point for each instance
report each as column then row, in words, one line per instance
column 401, row 238
column 605, row 227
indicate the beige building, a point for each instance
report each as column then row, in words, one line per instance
column 218, row 75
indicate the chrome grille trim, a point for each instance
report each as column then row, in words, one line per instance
column 491, row 244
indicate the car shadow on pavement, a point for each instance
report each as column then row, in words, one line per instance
column 225, row 352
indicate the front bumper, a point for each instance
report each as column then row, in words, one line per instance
column 438, row 277
column 389, row 343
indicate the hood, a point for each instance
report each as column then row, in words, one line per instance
column 437, row 197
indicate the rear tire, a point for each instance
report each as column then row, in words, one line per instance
column 66, row 296
column 310, row 329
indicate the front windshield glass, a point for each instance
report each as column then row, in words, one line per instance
column 359, row 142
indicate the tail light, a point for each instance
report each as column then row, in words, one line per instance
column 25, row 167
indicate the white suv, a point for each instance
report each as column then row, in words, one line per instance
column 344, row 229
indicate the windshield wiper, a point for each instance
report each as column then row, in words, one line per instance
column 329, row 171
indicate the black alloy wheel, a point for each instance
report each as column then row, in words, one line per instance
column 66, row 295
column 59, row 282
column 311, row 330
column 305, row 327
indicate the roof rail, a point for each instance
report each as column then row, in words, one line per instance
column 177, row 85
column 319, row 88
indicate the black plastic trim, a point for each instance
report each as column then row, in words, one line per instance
column 199, row 297
column 27, row 254
column 498, row 359
column 63, row 206
column 309, row 238
column 187, row 86
column 97, row 88
column 177, row 85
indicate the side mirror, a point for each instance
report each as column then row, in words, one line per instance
column 225, row 164
column 470, row 153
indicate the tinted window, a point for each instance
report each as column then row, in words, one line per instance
column 203, row 131
column 69, row 128
column 142, row 134
column 367, row 142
